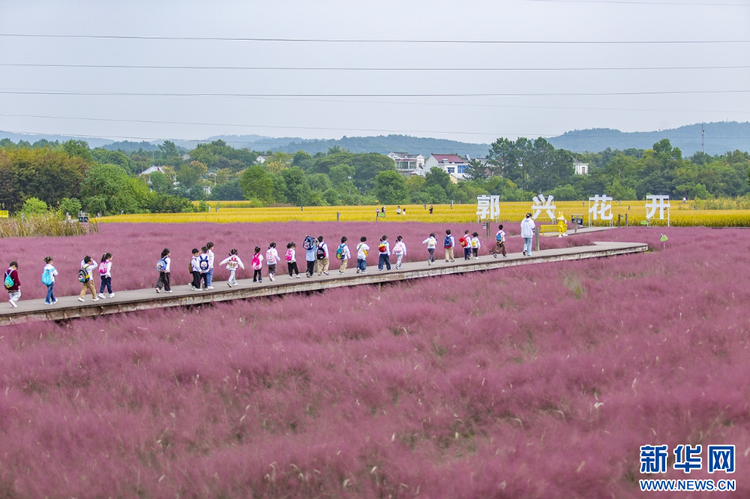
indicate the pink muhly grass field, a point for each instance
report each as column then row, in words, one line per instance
column 538, row 381
column 137, row 247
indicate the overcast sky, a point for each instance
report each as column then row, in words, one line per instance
column 311, row 103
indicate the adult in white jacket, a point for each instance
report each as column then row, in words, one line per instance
column 527, row 233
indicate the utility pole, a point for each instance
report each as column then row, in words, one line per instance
column 703, row 135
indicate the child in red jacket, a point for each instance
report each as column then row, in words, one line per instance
column 13, row 283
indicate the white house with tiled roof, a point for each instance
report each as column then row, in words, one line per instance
column 453, row 164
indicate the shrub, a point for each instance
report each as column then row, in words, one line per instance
column 34, row 206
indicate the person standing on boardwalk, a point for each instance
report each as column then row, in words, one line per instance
column 322, row 257
column 384, row 253
column 48, row 279
column 204, row 263
column 105, row 275
column 465, row 242
column 399, row 249
column 257, row 264
column 362, row 249
column 164, row 267
column 272, row 259
column 527, row 233
column 431, row 243
column 499, row 243
column 310, row 245
column 476, row 244
column 343, row 254
column 86, row 277
column 291, row 260
column 195, row 268
column 449, row 243
column 233, row 262
column 12, row 284
column 210, row 273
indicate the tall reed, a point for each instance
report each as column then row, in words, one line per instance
column 47, row 224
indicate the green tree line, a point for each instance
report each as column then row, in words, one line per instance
column 108, row 182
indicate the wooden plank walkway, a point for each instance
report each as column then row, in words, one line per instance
column 69, row 307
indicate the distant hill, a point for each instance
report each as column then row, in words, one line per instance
column 719, row 138
column 129, row 146
column 384, row 144
column 31, row 138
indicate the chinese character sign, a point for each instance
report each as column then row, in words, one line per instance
column 488, row 207
column 654, row 458
column 602, row 207
column 687, row 458
column 656, row 202
column 543, row 204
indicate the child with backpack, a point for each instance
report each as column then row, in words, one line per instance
column 322, row 257
column 86, row 277
column 195, row 269
column 449, row 243
column 105, row 274
column 233, row 262
column 291, row 260
column 48, row 279
column 499, row 243
column 362, row 249
column 342, row 253
column 384, row 254
column 272, row 258
column 475, row 245
column 204, row 263
column 399, row 249
column 13, row 284
column 431, row 243
column 310, row 245
column 465, row 243
column 257, row 265
column 163, row 267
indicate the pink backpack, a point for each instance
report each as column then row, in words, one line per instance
column 256, row 262
column 102, row 268
column 288, row 255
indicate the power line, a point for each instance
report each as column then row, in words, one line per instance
column 450, row 95
column 321, row 68
column 372, row 40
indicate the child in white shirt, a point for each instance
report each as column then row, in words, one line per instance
column 272, row 258
column 399, row 249
column 233, row 262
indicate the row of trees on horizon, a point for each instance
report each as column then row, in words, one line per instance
column 72, row 175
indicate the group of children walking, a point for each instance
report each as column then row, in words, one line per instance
column 201, row 266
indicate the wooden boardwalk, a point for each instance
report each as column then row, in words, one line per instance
column 69, row 307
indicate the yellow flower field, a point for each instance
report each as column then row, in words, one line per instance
column 233, row 211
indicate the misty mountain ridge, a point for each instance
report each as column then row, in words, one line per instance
column 719, row 138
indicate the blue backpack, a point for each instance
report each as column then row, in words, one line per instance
column 8, row 283
column 161, row 265
column 447, row 243
column 203, row 263
column 499, row 237
column 47, row 277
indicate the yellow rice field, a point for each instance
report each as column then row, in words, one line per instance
column 233, row 211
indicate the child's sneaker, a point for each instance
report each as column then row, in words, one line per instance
column 111, row 295
column 325, row 273
column 297, row 276
column 229, row 284
column 81, row 299
column 272, row 278
column 54, row 301
column 100, row 295
column 209, row 287
column 158, row 290
column 168, row 291
column 341, row 271
column 12, row 304
column 96, row 299
column 358, row 271
column 494, row 255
